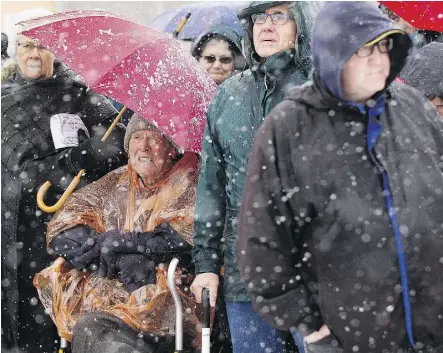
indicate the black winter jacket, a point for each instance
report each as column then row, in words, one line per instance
column 315, row 241
column 29, row 158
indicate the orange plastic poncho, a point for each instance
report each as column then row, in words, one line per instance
column 119, row 201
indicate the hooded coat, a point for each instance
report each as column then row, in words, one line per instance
column 223, row 32
column 424, row 70
column 316, row 241
column 29, row 158
column 234, row 116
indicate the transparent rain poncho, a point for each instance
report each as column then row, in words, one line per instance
column 119, row 201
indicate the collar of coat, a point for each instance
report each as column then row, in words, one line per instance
column 314, row 93
column 276, row 65
column 12, row 81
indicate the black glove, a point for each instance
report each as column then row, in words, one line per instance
column 161, row 244
column 97, row 157
column 163, row 240
column 77, row 246
column 135, row 271
column 113, row 243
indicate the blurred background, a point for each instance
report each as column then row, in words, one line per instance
column 151, row 13
column 138, row 11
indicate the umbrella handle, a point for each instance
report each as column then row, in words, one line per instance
column 41, row 192
column 182, row 23
column 178, row 306
column 114, row 123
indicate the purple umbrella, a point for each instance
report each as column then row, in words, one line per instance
column 203, row 16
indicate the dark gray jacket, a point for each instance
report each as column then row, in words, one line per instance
column 316, row 243
column 234, row 116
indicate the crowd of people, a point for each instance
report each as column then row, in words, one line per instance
column 313, row 214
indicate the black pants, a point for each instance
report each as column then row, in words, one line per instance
column 99, row 332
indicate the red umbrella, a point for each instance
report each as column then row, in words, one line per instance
column 424, row 15
column 138, row 66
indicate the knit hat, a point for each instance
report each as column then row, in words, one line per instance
column 137, row 123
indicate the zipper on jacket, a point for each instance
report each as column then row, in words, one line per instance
column 268, row 91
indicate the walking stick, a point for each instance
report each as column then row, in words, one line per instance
column 178, row 306
column 206, row 322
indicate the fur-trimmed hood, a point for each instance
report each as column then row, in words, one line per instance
column 8, row 69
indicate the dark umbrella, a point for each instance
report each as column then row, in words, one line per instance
column 204, row 16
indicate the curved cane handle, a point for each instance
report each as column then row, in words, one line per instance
column 41, row 192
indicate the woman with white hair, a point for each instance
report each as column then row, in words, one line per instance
column 51, row 128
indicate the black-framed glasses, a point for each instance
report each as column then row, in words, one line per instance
column 210, row 59
column 277, row 18
column 384, row 46
column 30, row 46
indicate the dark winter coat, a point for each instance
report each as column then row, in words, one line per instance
column 316, row 243
column 234, row 116
column 424, row 70
column 29, row 158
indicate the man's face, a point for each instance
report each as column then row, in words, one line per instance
column 270, row 38
column 362, row 77
column 33, row 60
column 217, row 59
column 150, row 154
column 437, row 102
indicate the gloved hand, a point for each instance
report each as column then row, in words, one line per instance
column 161, row 242
column 113, row 243
column 135, row 271
column 97, row 157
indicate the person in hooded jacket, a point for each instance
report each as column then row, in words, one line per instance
column 277, row 51
column 424, row 72
column 218, row 50
column 343, row 201
column 43, row 103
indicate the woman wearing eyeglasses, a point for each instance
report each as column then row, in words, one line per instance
column 217, row 51
column 44, row 105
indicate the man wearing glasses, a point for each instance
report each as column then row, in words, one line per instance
column 276, row 41
column 343, row 203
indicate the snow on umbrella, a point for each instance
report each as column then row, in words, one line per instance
column 204, row 16
column 423, row 15
column 143, row 68
column 138, row 66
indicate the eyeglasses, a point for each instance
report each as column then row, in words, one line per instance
column 30, row 46
column 210, row 59
column 277, row 18
column 384, row 46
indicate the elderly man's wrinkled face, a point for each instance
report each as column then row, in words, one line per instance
column 33, row 60
column 150, row 154
column 366, row 71
column 274, row 31
column 217, row 59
